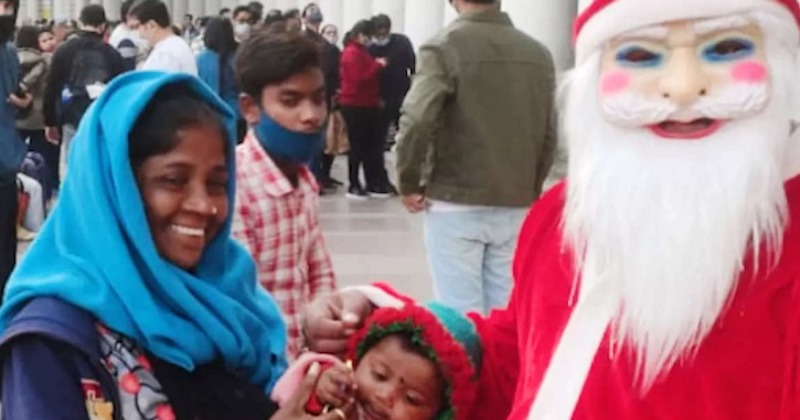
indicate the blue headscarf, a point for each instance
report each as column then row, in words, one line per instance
column 96, row 252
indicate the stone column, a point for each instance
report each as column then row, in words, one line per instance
column 450, row 15
column 61, row 10
column 355, row 10
column 425, row 19
column 195, row 7
column 112, row 9
column 28, row 11
column 395, row 9
column 334, row 13
column 211, row 8
column 549, row 21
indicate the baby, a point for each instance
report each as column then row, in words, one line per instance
column 408, row 362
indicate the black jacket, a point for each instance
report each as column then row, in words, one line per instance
column 56, row 113
column 396, row 78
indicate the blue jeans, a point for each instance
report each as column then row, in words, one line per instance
column 470, row 254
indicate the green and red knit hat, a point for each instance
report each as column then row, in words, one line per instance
column 447, row 337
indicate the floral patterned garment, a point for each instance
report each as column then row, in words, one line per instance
column 141, row 395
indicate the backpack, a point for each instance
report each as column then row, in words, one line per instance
column 89, row 67
column 36, row 167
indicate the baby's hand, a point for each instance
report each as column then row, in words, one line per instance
column 336, row 386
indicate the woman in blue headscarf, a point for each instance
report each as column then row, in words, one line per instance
column 134, row 303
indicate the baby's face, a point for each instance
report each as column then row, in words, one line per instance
column 394, row 383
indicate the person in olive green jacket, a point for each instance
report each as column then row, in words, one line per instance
column 477, row 139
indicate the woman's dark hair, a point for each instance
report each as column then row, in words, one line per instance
column 291, row 14
column 219, row 36
column 362, row 27
column 268, row 58
column 173, row 108
column 28, row 37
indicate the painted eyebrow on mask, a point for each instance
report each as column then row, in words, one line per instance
column 654, row 33
column 709, row 26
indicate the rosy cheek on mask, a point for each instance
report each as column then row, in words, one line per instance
column 750, row 72
column 614, row 82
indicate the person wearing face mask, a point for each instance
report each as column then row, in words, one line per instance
column 12, row 148
column 170, row 53
column 360, row 101
column 126, row 40
column 276, row 214
column 396, row 78
column 312, row 18
column 241, row 22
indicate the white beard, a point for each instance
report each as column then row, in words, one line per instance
column 668, row 223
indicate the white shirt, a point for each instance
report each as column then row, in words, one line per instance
column 172, row 54
column 121, row 32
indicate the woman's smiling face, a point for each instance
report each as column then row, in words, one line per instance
column 185, row 194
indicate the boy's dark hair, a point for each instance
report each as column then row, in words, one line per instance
column 93, row 15
column 173, row 108
column 269, row 58
column 155, row 10
column 224, row 10
column 363, row 27
column 28, row 37
column 382, row 21
column 125, row 9
column 240, row 9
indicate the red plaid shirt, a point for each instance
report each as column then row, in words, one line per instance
column 279, row 225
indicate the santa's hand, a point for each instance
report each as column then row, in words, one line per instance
column 336, row 386
column 331, row 319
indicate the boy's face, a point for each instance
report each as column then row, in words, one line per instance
column 393, row 383
column 297, row 104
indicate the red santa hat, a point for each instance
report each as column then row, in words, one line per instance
column 601, row 20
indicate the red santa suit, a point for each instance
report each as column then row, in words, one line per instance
column 747, row 367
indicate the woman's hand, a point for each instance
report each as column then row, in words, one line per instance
column 336, row 386
column 296, row 407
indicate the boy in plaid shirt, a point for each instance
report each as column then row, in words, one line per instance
column 277, row 199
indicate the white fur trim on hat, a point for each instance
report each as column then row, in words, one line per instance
column 623, row 16
column 379, row 296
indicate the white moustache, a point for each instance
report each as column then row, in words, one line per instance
column 736, row 102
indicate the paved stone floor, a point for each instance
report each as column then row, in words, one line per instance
column 375, row 240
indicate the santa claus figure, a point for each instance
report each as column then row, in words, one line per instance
column 662, row 279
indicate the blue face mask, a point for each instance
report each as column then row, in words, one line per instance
column 298, row 148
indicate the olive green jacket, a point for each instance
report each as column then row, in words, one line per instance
column 479, row 124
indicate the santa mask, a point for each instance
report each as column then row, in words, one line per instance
column 677, row 132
